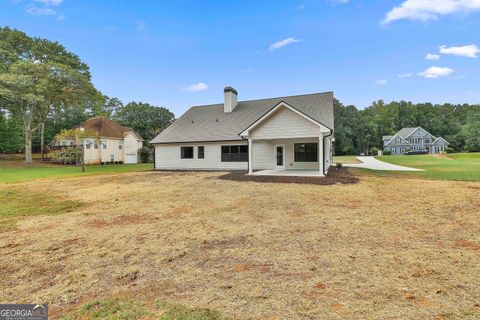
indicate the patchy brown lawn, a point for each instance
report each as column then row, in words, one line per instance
column 380, row 248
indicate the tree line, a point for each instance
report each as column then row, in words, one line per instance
column 358, row 131
column 44, row 89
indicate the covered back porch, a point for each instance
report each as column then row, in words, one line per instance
column 285, row 141
column 289, row 157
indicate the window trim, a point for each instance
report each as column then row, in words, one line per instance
column 305, row 161
column 182, row 154
column 203, row 152
column 239, row 156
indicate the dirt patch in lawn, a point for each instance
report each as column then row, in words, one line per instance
column 334, row 176
column 442, row 156
column 251, row 250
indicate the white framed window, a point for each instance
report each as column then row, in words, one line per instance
column 201, row 152
column 186, row 152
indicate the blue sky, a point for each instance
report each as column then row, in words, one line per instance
column 182, row 53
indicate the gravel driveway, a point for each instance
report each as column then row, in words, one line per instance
column 374, row 164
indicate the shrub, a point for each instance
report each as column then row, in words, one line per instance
column 338, row 165
column 387, row 152
column 69, row 155
column 146, row 154
column 373, row 151
column 449, row 150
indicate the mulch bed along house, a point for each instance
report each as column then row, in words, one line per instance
column 334, row 176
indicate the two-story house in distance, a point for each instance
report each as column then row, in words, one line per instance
column 414, row 139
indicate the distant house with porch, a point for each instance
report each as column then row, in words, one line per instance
column 113, row 144
column 408, row 139
column 277, row 134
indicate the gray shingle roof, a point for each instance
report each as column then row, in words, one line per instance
column 405, row 132
column 210, row 123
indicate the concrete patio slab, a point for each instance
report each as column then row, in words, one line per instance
column 290, row 173
column 375, row 164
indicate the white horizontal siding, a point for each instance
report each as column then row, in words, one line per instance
column 290, row 154
column 167, row 156
column 131, row 146
column 263, row 155
column 285, row 123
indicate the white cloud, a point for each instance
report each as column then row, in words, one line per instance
column 470, row 51
column 338, row 1
column 201, row 86
column 405, row 75
column 435, row 72
column 282, row 43
column 430, row 9
column 35, row 11
column 381, row 82
column 50, row 2
column 45, row 8
column 431, row 56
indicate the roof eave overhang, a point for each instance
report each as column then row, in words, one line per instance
column 245, row 132
column 192, row 142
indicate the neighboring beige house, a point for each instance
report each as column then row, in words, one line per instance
column 115, row 143
column 278, row 135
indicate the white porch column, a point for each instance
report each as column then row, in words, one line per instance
column 250, row 156
column 320, row 155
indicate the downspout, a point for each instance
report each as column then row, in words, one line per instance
column 248, row 167
column 323, row 141
column 154, row 152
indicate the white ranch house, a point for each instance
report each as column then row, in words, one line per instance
column 285, row 135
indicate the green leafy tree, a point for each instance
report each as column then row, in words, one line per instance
column 38, row 76
column 346, row 129
column 471, row 132
column 10, row 134
column 145, row 119
column 102, row 105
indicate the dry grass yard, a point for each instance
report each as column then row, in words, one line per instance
column 379, row 249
